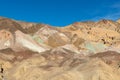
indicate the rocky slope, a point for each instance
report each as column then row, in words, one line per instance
column 80, row 51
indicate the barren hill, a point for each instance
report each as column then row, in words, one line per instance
column 80, row 51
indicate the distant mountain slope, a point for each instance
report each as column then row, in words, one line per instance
column 80, row 51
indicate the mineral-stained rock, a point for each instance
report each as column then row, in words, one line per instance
column 80, row 51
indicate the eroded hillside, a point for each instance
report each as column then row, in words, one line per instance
column 80, row 51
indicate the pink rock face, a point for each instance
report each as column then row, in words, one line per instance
column 6, row 39
column 25, row 42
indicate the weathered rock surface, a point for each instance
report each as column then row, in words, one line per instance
column 80, row 51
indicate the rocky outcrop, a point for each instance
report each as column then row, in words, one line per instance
column 64, row 66
column 80, row 51
column 6, row 39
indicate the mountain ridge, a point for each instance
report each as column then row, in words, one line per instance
column 33, row 51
